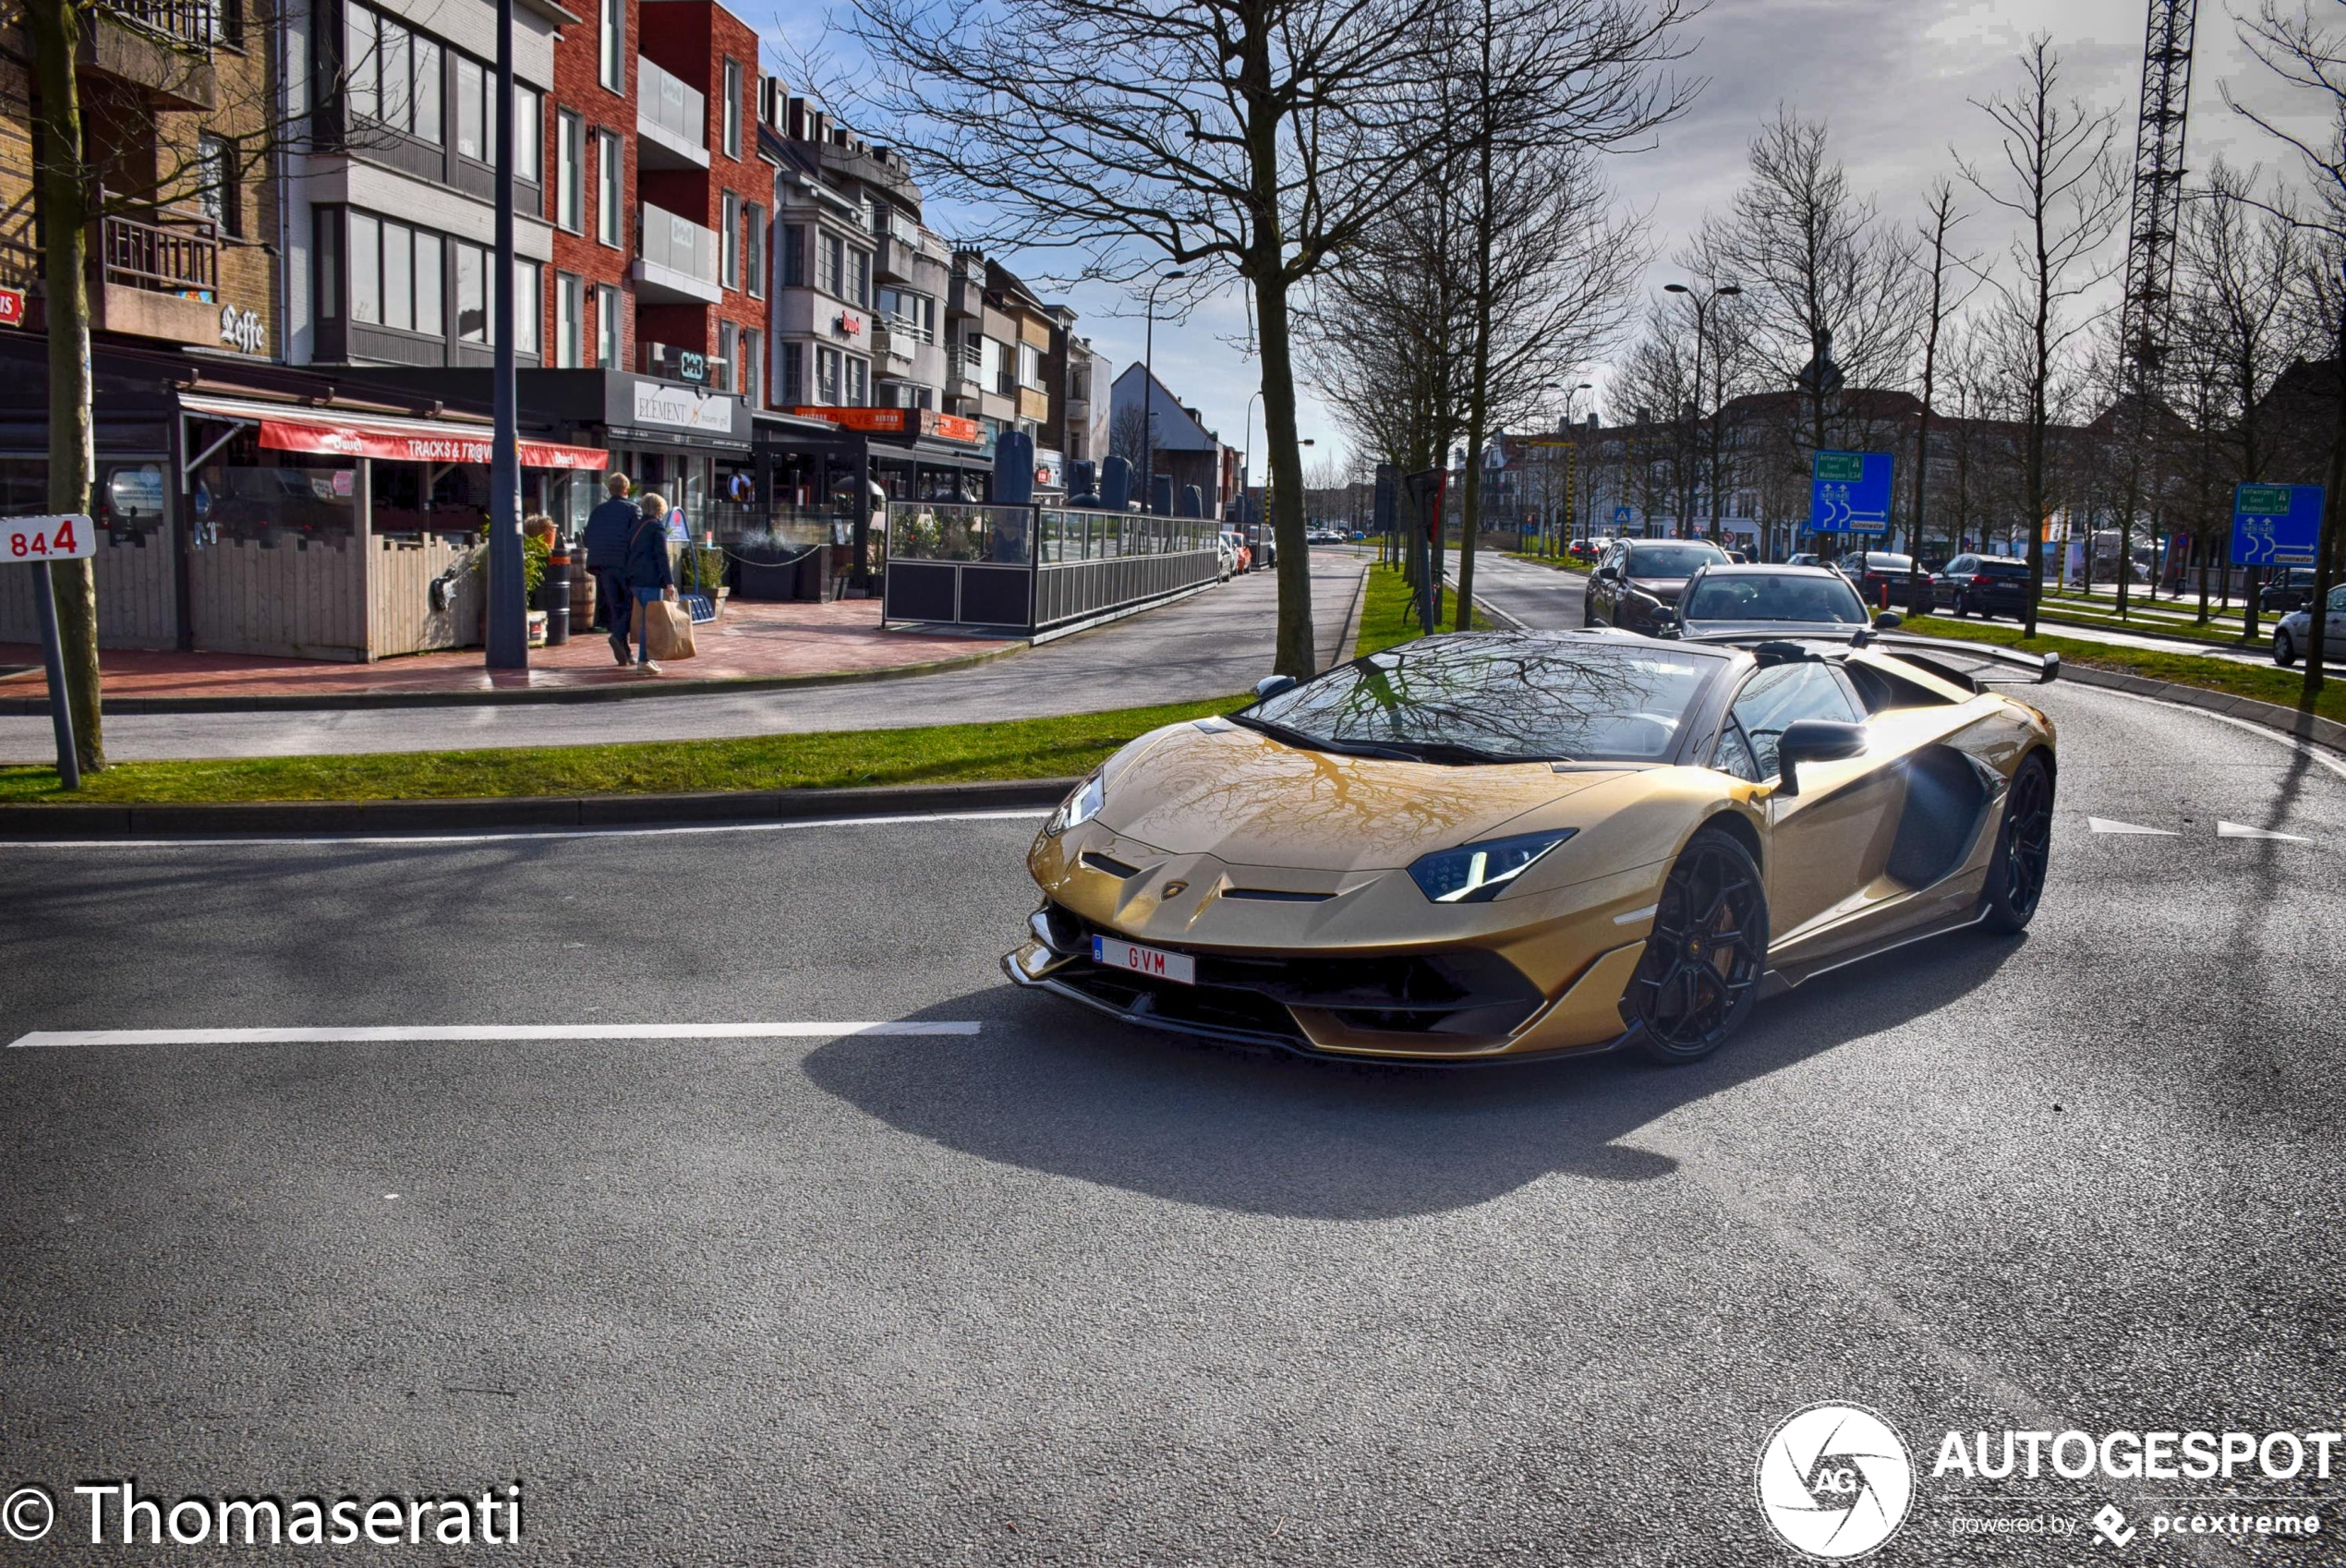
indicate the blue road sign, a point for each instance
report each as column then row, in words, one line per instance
column 1849, row 492
column 1621, row 517
column 2276, row 524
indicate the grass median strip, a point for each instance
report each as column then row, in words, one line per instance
column 1385, row 616
column 2264, row 683
column 1025, row 748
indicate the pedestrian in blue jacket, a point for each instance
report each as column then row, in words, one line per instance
column 650, row 578
column 607, row 528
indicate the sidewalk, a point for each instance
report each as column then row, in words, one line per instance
column 756, row 643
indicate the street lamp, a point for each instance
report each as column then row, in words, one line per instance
column 1702, row 305
column 1252, row 398
column 1148, row 393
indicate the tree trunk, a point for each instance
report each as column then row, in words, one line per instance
column 1298, row 652
column 2326, row 551
column 56, row 26
column 1479, row 369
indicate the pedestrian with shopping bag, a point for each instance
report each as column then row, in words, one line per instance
column 609, row 527
column 651, row 582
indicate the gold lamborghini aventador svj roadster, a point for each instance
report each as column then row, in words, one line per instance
column 1506, row 845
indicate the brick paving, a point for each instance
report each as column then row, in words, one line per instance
column 750, row 641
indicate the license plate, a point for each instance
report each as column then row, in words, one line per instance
column 1110, row 952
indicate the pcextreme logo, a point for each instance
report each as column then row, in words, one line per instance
column 1834, row 1481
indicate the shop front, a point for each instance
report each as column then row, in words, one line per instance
column 871, row 458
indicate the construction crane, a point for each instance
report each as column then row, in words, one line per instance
column 2150, row 238
column 2158, row 185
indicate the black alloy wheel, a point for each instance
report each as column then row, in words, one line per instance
column 2284, row 649
column 2023, row 850
column 1700, row 972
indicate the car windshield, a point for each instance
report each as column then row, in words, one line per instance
column 1771, row 597
column 1670, row 561
column 1486, row 698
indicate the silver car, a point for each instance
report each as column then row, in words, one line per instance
column 2296, row 628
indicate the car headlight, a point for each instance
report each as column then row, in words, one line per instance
column 1475, row 874
column 1078, row 808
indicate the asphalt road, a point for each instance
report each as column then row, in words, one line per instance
column 1208, row 645
column 1058, row 1291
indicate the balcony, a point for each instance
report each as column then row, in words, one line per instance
column 672, row 121
column 158, row 280
column 162, row 47
column 963, row 365
column 893, row 341
column 675, row 260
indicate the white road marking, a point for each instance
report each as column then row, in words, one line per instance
column 2242, row 830
column 52, row 1038
column 443, row 840
column 2105, row 824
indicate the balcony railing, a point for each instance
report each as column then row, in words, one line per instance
column 667, row 104
column 181, row 259
column 194, row 23
column 679, row 245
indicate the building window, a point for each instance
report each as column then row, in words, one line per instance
column 395, row 275
column 1001, row 367
column 826, row 377
column 529, row 151
column 390, row 76
column 729, row 241
column 216, row 168
column 528, row 305
column 831, row 267
column 753, row 381
column 859, row 382
column 1029, row 367
column 570, row 301
column 607, row 327
column 569, row 174
column 727, row 339
column 609, row 196
column 325, row 228
column 472, row 293
column 473, row 129
column 612, row 59
column 793, row 255
column 732, row 109
column 753, row 249
column 859, row 277
column 913, row 315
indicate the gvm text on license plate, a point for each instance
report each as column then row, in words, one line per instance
column 1112, row 953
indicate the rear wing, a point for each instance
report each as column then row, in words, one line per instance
column 1929, row 653
column 2034, row 669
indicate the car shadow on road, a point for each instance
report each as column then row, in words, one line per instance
column 1046, row 1086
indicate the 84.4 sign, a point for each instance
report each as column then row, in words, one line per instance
column 65, row 538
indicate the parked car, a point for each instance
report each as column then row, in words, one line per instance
column 1737, row 599
column 1235, row 543
column 1637, row 579
column 1227, row 566
column 1879, row 571
column 1984, row 585
column 1804, row 558
column 2291, row 636
column 2289, row 588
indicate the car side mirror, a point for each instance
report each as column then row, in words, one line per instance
column 1607, row 575
column 1272, row 685
column 1888, row 621
column 1815, row 739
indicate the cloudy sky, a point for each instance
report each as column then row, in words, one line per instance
column 1893, row 81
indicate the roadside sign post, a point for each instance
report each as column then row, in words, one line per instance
column 2276, row 524
column 1849, row 492
column 36, row 541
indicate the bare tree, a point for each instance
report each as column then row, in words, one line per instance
column 2061, row 184
column 1247, row 138
column 1936, row 262
column 90, row 164
column 2311, row 57
column 1535, row 88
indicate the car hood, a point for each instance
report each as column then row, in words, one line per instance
column 1247, row 799
column 1837, row 630
column 1666, row 589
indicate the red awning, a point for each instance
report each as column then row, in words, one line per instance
column 285, row 428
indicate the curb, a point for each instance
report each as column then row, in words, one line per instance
column 293, row 818
column 525, row 697
column 2264, row 715
column 1347, row 636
